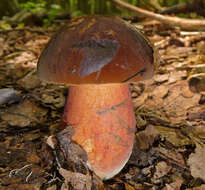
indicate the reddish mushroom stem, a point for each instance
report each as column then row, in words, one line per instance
column 104, row 125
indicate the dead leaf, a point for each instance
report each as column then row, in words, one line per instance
column 161, row 78
column 174, row 136
column 24, row 114
column 51, row 95
column 197, row 83
column 1, row 46
column 201, row 187
column 78, row 181
column 162, row 169
column 128, row 187
column 30, row 81
column 160, row 92
column 172, row 157
column 9, row 95
column 174, row 185
column 196, row 162
column 177, row 76
column 145, row 138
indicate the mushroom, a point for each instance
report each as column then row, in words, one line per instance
column 97, row 56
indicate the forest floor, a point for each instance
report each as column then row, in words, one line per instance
column 169, row 151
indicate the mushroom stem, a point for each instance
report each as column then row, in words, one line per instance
column 103, row 121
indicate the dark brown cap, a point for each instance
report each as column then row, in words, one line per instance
column 96, row 50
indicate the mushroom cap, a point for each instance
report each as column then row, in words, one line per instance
column 96, row 50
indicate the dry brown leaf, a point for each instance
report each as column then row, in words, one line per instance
column 24, row 114
column 197, row 83
column 196, row 162
column 174, row 185
column 77, row 180
column 145, row 138
column 30, row 81
column 162, row 169
column 128, row 187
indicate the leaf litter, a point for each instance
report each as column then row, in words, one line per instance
column 169, row 150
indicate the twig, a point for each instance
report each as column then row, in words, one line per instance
column 183, row 23
column 190, row 6
column 15, row 172
column 36, row 30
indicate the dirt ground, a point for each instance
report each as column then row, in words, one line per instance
column 169, row 151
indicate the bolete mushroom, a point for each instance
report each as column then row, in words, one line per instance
column 97, row 56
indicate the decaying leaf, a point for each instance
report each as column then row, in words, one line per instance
column 196, row 162
column 174, row 185
column 8, row 96
column 77, row 180
column 197, row 83
column 145, row 138
column 24, row 114
column 162, row 169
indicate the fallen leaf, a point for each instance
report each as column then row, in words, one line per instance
column 174, row 136
column 129, row 187
column 197, row 83
column 30, row 81
column 24, row 114
column 174, row 185
column 145, row 138
column 196, row 162
column 9, row 95
column 77, row 180
column 162, row 169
